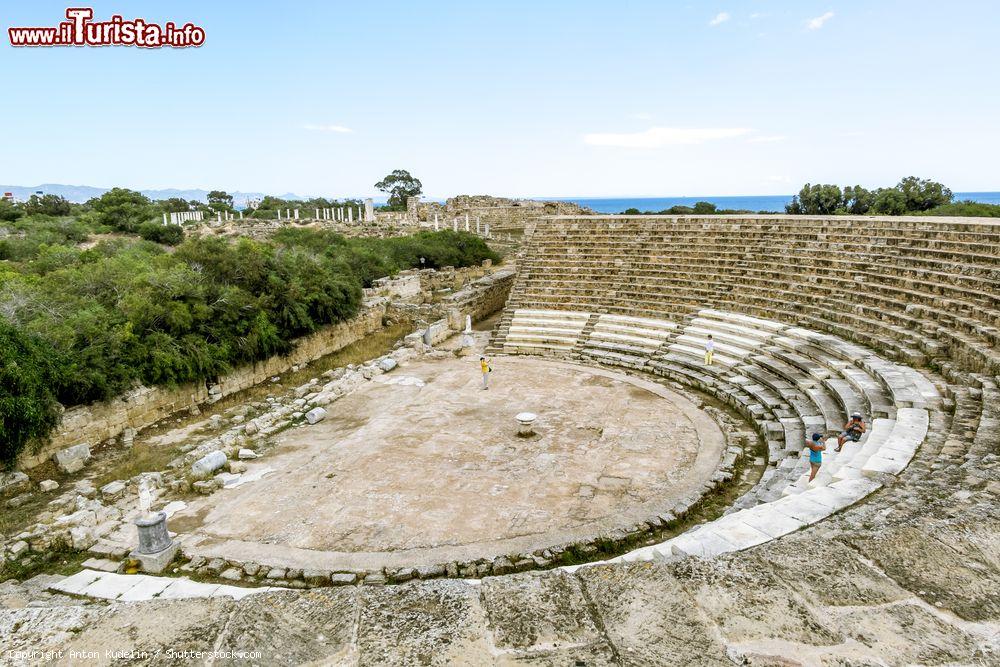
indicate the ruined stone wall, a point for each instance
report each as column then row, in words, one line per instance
column 483, row 297
column 145, row 406
column 501, row 213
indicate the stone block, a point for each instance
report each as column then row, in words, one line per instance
column 387, row 364
column 343, row 578
column 157, row 562
column 72, row 459
column 13, row 483
column 48, row 485
column 246, row 454
column 113, row 491
column 208, row 464
column 315, row 415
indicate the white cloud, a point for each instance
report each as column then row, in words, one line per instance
column 817, row 23
column 327, row 128
column 658, row 137
column 721, row 17
column 766, row 139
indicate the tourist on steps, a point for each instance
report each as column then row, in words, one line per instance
column 709, row 349
column 816, row 447
column 853, row 430
column 484, row 366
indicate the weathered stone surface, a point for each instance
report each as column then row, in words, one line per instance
column 535, row 611
column 113, row 490
column 649, row 618
column 72, row 459
column 414, row 624
column 387, row 364
column 945, row 571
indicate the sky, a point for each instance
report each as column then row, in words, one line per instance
column 555, row 98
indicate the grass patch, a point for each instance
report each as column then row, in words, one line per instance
column 58, row 560
column 138, row 459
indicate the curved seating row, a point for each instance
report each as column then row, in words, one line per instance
column 789, row 381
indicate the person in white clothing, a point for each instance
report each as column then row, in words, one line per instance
column 709, row 349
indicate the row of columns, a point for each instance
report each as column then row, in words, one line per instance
column 183, row 216
column 482, row 229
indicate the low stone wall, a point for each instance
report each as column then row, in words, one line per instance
column 145, row 406
column 483, row 297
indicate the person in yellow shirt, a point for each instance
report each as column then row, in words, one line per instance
column 484, row 366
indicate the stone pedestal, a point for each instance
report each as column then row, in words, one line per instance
column 156, row 548
column 525, row 424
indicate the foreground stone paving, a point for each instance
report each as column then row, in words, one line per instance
column 849, row 592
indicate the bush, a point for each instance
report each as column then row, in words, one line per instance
column 165, row 234
column 28, row 410
column 966, row 208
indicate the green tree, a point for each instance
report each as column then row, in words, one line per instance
column 122, row 209
column 704, row 208
column 857, row 200
column 888, row 201
column 219, row 200
column 9, row 211
column 173, row 205
column 53, row 205
column 921, row 194
column 399, row 185
column 816, row 200
column 28, row 409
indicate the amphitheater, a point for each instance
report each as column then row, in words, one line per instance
column 661, row 514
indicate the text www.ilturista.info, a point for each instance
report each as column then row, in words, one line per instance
column 79, row 30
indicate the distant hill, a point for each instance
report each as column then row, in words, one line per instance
column 81, row 193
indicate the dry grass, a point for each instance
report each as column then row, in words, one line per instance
column 138, row 459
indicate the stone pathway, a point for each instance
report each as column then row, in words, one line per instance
column 139, row 587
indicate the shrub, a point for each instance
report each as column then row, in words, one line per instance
column 165, row 234
column 28, row 410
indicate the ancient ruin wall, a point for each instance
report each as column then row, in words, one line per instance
column 502, row 214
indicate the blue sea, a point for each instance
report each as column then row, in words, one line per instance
column 775, row 203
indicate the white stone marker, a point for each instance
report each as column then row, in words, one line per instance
column 350, row 214
column 317, row 214
column 466, row 222
column 241, row 215
column 525, row 420
column 436, row 222
column 296, row 214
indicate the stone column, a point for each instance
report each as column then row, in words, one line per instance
column 477, row 225
column 218, row 217
column 296, row 214
column 454, row 225
column 436, row 228
column 241, row 215
column 350, row 214
column 466, row 222
column 156, row 548
column 369, row 210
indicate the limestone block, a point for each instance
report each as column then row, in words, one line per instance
column 113, row 490
column 387, row 364
column 208, row 464
column 72, row 459
column 246, row 454
column 315, row 415
column 82, row 537
column 48, row 485
column 13, row 483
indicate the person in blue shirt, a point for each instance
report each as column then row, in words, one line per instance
column 816, row 447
